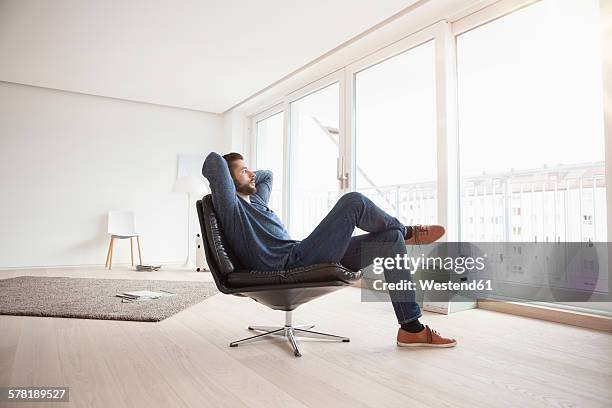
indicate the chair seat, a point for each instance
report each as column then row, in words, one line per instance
column 123, row 236
column 289, row 297
column 326, row 272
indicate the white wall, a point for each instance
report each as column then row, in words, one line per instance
column 66, row 159
column 235, row 133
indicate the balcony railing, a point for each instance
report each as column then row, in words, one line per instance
column 565, row 204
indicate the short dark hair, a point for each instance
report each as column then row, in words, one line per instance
column 230, row 158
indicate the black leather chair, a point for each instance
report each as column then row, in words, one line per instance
column 280, row 290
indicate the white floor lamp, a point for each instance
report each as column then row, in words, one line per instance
column 190, row 185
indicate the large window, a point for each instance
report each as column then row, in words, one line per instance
column 315, row 131
column 531, row 126
column 395, row 135
column 530, row 141
column 269, row 155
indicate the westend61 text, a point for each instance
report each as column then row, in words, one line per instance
column 431, row 285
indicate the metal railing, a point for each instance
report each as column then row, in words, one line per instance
column 569, row 210
column 526, row 207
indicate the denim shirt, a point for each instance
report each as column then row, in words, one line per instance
column 252, row 230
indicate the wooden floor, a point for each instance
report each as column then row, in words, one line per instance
column 185, row 361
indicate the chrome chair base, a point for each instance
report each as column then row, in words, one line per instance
column 290, row 332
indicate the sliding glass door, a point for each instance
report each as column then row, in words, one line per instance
column 531, row 126
column 532, row 146
column 395, row 134
column 314, row 150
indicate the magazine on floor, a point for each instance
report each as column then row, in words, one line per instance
column 144, row 295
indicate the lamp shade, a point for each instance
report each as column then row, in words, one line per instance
column 190, row 184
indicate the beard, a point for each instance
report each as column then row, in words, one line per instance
column 246, row 189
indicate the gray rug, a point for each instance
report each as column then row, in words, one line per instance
column 86, row 298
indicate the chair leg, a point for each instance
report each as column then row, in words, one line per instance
column 256, row 337
column 304, row 326
column 264, row 328
column 112, row 249
column 132, row 250
column 291, row 338
column 139, row 251
column 319, row 335
column 108, row 253
column 270, row 328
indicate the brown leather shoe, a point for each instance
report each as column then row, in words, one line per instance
column 425, row 338
column 425, row 234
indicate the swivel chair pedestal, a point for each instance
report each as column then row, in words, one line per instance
column 290, row 332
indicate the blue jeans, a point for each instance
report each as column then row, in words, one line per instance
column 332, row 241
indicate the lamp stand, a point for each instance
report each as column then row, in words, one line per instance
column 188, row 262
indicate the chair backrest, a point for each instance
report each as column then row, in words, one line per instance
column 121, row 223
column 219, row 256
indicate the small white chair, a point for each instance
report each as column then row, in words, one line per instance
column 121, row 225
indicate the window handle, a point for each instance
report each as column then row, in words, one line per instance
column 340, row 174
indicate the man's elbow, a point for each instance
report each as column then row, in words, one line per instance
column 266, row 174
column 212, row 160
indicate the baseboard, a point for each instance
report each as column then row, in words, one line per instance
column 15, row 268
column 551, row 314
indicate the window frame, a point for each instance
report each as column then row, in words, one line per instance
column 446, row 136
column 303, row 92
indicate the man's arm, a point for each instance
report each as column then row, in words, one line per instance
column 221, row 184
column 263, row 183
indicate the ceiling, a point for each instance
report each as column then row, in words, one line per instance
column 197, row 54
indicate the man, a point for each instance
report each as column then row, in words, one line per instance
column 261, row 242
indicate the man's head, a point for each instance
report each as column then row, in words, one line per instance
column 244, row 179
